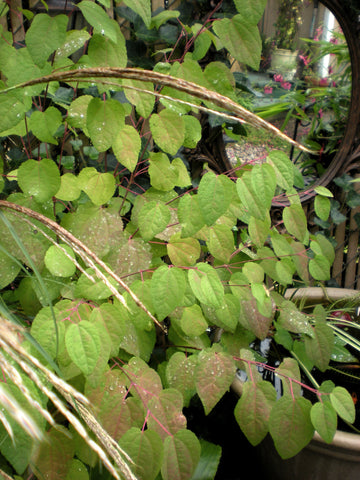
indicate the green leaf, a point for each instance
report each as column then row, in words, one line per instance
column 104, row 52
column 166, row 413
column 53, row 29
column 168, row 130
column 44, row 124
column 290, row 425
column 142, row 8
column 192, row 131
column 74, row 40
column 144, row 102
column 206, row 285
column 162, row 175
column 168, row 287
column 343, row 403
column 324, row 419
column 58, row 262
column 214, row 196
column 99, row 187
column 99, row 19
column 263, row 179
column 163, row 17
column 183, row 251
column 259, row 230
column 78, row 111
column 293, row 319
column 221, row 242
column 9, row 269
column 250, row 316
column 284, row 168
column 180, row 374
column 77, row 471
column 69, row 188
column 320, row 245
column 319, row 267
column 145, row 448
column 252, row 11
column 104, row 119
column 108, row 315
column 181, row 455
column 40, row 179
column 12, row 111
column 214, row 374
column 193, row 323
column 190, row 216
column 83, row 344
column 251, row 197
column 322, row 207
column 320, row 190
column 209, row 461
column 92, row 288
column 153, row 218
column 295, row 222
column 240, row 38
column 252, row 412
column 319, row 347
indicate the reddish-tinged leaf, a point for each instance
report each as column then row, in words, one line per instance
column 166, row 417
column 181, row 456
column 253, row 409
column 143, row 381
column 214, row 374
column 180, row 374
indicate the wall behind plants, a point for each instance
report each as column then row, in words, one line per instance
column 114, row 256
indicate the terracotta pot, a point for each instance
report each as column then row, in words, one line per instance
column 318, row 460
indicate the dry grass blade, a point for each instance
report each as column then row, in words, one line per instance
column 10, row 344
column 240, row 113
column 86, row 254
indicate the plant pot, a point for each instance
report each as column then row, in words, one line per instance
column 284, row 62
column 318, row 460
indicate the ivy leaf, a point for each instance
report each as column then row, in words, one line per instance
column 252, row 411
column 99, row 19
column 290, row 425
column 214, row 374
column 183, row 251
column 166, row 413
column 145, row 448
column 168, row 287
column 206, row 285
column 142, row 8
column 103, row 120
column 44, row 124
column 83, row 344
column 53, row 29
column 180, row 374
column 240, row 38
column 214, row 196
column 324, row 419
column 153, row 218
column 168, row 130
column 39, row 178
column 181, row 455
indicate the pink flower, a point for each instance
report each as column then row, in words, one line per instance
column 318, row 34
column 334, row 40
column 268, row 90
column 305, row 59
column 320, row 113
column 278, row 77
column 324, row 82
column 286, row 85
